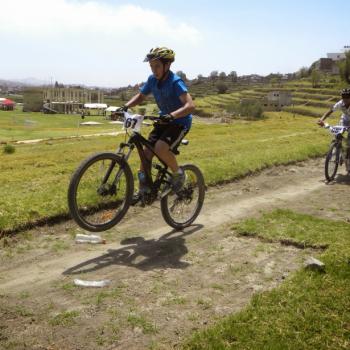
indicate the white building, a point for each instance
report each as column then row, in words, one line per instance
column 336, row 56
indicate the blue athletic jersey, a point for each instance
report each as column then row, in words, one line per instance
column 166, row 94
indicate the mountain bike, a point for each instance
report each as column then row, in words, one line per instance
column 337, row 154
column 101, row 189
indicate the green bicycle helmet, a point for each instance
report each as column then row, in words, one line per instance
column 160, row 53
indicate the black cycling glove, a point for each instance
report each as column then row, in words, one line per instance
column 167, row 118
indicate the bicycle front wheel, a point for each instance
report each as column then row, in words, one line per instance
column 180, row 209
column 332, row 162
column 100, row 192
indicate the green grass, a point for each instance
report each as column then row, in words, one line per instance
column 307, row 110
column 17, row 125
column 65, row 318
column 309, row 310
column 35, row 178
column 140, row 321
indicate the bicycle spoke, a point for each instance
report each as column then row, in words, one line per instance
column 180, row 209
column 99, row 191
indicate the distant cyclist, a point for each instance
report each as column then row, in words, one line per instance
column 175, row 105
column 342, row 105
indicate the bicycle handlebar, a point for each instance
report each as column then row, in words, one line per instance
column 336, row 129
column 151, row 117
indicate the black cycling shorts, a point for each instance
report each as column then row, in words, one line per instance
column 172, row 134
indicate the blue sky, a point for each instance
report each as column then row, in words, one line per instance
column 103, row 42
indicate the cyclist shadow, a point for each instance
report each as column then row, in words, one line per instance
column 341, row 179
column 164, row 252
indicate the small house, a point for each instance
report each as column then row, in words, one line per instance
column 275, row 100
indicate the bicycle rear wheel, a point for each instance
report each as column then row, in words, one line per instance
column 332, row 161
column 100, row 192
column 180, row 209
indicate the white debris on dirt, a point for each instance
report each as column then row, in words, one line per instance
column 94, row 284
column 91, row 123
column 314, row 264
column 92, row 239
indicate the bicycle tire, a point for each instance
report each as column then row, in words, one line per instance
column 332, row 157
column 84, row 212
column 165, row 201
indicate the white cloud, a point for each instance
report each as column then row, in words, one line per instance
column 55, row 19
column 90, row 42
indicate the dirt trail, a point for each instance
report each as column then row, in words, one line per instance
column 165, row 284
column 113, row 133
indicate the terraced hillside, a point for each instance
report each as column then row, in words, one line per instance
column 306, row 100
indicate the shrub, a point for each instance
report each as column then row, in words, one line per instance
column 249, row 109
column 9, row 149
column 221, row 87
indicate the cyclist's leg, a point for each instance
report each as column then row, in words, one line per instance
column 164, row 147
column 149, row 155
column 347, row 150
column 143, row 188
column 168, row 141
column 345, row 121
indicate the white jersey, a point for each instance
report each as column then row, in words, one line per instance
column 345, row 118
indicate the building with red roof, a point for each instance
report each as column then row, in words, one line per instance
column 6, row 104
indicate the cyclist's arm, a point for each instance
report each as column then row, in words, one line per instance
column 325, row 116
column 135, row 100
column 187, row 106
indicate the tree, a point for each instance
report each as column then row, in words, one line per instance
column 315, row 78
column 233, row 76
column 344, row 68
column 200, row 77
column 303, row 72
column 123, row 96
column 214, row 75
column 57, row 85
column 182, row 75
column 222, row 76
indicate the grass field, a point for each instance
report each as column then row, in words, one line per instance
column 35, row 178
column 17, row 125
column 309, row 310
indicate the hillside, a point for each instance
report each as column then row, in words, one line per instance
column 306, row 99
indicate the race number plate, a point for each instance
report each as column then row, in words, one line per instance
column 133, row 122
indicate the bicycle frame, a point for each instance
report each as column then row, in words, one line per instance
column 138, row 141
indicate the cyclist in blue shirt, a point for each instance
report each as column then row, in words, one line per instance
column 175, row 105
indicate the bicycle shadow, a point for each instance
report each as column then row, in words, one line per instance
column 164, row 252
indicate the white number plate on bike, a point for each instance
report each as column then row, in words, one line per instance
column 133, row 121
column 338, row 129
